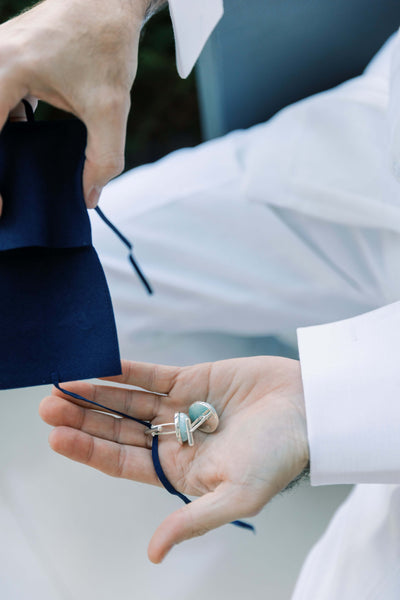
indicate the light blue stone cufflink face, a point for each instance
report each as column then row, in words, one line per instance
column 183, row 428
column 203, row 416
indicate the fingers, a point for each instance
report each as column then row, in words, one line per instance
column 105, row 146
column 111, row 458
column 58, row 412
column 155, row 378
column 208, row 512
column 134, row 403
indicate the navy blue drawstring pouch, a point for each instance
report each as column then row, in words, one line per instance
column 56, row 316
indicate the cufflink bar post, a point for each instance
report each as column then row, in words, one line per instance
column 181, row 429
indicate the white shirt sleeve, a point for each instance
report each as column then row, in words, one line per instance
column 192, row 21
column 351, row 377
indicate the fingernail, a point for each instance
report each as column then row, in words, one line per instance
column 94, row 196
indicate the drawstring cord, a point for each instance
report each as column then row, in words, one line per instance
column 128, row 244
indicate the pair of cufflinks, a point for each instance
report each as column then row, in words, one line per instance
column 202, row 416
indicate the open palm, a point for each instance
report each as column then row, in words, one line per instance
column 259, row 447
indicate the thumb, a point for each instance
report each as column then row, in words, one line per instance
column 105, row 148
column 204, row 514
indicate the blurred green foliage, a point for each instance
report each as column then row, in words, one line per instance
column 9, row 8
column 164, row 113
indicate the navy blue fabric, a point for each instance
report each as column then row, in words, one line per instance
column 41, row 184
column 55, row 308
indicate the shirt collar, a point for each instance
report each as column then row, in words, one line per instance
column 192, row 21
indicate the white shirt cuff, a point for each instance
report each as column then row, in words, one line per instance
column 351, row 377
column 192, row 21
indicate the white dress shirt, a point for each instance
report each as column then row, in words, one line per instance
column 350, row 369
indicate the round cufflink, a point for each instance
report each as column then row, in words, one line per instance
column 203, row 417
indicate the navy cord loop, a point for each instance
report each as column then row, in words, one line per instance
column 154, row 451
column 78, row 397
column 128, row 244
column 170, row 488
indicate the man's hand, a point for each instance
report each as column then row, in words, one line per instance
column 259, row 447
column 80, row 56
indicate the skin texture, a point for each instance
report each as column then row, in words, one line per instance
column 259, row 447
column 82, row 58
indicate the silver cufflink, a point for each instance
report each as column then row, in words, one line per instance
column 202, row 416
